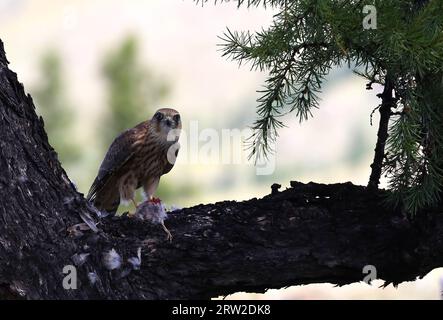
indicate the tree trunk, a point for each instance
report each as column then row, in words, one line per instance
column 388, row 102
column 306, row 234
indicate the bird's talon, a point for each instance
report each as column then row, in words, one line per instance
column 169, row 235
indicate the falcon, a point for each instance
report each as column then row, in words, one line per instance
column 137, row 158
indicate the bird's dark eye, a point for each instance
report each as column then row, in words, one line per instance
column 176, row 118
column 158, row 116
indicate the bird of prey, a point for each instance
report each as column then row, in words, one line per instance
column 138, row 157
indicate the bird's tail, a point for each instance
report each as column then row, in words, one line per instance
column 108, row 202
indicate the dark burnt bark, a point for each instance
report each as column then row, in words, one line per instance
column 306, row 234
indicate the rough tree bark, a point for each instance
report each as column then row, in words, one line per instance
column 306, row 234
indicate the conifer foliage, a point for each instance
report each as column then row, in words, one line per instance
column 403, row 53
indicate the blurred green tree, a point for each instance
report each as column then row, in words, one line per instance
column 133, row 90
column 56, row 110
column 395, row 43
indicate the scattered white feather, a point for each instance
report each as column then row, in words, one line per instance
column 68, row 200
column 86, row 217
column 79, row 258
column 18, row 287
column 100, row 214
column 136, row 261
column 112, row 260
column 93, row 277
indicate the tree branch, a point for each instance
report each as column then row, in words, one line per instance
column 306, row 234
column 388, row 102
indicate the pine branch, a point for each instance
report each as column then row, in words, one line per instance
column 282, row 89
column 408, row 43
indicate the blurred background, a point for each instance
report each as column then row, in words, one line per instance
column 97, row 67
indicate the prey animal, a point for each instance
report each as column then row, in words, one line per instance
column 137, row 158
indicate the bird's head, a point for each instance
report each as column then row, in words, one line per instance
column 167, row 122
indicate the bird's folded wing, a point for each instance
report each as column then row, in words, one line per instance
column 169, row 165
column 120, row 151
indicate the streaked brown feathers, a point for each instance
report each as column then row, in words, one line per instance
column 137, row 157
